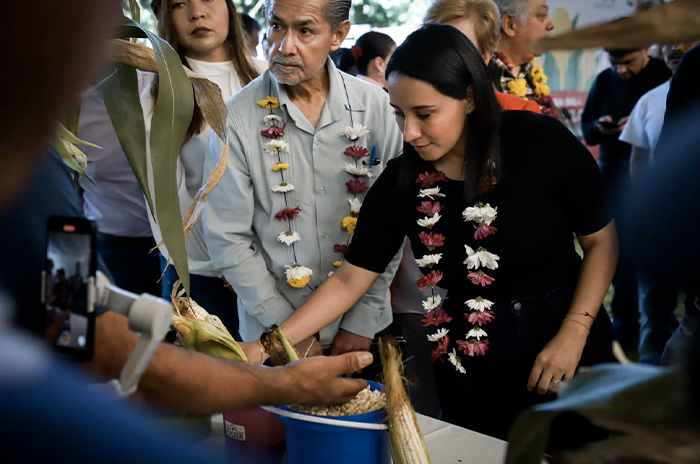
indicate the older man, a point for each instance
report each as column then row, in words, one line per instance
column 523, row 22
column 300, row 159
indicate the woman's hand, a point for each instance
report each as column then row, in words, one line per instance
column 558, row 360
column 254, row 352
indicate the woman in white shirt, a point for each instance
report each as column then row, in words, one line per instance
column 208, row 36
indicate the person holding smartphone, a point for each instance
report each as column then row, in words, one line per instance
column 610, row 101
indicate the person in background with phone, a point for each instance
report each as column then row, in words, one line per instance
column 614, row 93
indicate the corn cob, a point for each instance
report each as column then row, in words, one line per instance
column 278, row 347
column 203, row 332
column 407, row 444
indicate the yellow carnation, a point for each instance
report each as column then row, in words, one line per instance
column 537, row 70
column 270, row 103
column 280, row 167
column 542, row 90
column 518, row 87
column 349, row 224
column 299, row 283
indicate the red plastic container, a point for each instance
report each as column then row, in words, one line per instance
column 254, row 436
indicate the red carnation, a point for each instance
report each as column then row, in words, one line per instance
column 483, row 231
column 429, row 178
column 273, row 132
column 288, row 213
column 436, row 318
column 440, row 350
column 480, row 278
column 429, row 280
column 356, row 186
column 479, row 317
column 473, row 348
column 337, row 248
column 429, row 208
column 356, row 152
column 431, row 240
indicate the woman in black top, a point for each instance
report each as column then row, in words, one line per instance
column 491, row 201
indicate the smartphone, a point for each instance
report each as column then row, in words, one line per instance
column 608, row 124
column 68, row 290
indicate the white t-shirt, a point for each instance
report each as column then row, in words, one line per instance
column 644, row 125
column 190, row 166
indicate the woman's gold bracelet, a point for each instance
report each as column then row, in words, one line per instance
column 585, row 313
column 262, row 352
column 579, row 323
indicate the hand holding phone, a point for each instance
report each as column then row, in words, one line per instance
column 68, row 289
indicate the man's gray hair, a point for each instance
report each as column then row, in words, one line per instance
column 517, row 9
column 336, row 12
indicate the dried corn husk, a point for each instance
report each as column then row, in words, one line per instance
column 277, row 346
column 203, row 332
column 407, row 444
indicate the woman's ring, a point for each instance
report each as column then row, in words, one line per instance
column 556, row 381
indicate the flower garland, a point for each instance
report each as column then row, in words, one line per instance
column 356, row 153
column 297, row 275
column 478, row 312
column 518, row 86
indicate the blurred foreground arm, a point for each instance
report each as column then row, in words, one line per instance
column 187, row 382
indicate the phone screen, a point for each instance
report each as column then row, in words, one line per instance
column 69, row 285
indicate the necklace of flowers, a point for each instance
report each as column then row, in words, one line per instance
column 298, row 275
column 478, row 312
column 518, row 86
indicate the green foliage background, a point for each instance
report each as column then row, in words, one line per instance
column 375, row 13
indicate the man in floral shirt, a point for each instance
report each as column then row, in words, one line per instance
column 523, row 22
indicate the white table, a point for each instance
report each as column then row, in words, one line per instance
column 447, row 443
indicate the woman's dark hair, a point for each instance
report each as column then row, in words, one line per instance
column 371, row 45
column 443, row 57
column 237, row 45
column 344, row 60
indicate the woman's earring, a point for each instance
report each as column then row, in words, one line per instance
column 381, row 74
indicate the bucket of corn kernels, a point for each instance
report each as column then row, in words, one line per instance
column 350, row 433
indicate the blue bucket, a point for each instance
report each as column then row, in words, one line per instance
column 314, row 439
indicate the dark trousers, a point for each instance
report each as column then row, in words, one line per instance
column 658, row 296
column 625, row 302
column 133, row 267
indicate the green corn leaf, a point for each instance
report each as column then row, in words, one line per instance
column 171, row 117
column 121, row 96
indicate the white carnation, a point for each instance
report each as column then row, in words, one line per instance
column 476, row 332
column 429, row 222
column 277, row 146
column 481, row 214
column 297, row 272
column 432, row 302
column 480, row 258
column 355, row 131
column 273, row 120
column 358, row 171
column 284, row 187
column 479, row 304
column 429, row 260
column 355, row 205
column 456, row 361
column 438, row 335
column 288, row 237
column 430, row 193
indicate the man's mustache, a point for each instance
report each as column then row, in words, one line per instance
column 287, row 62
